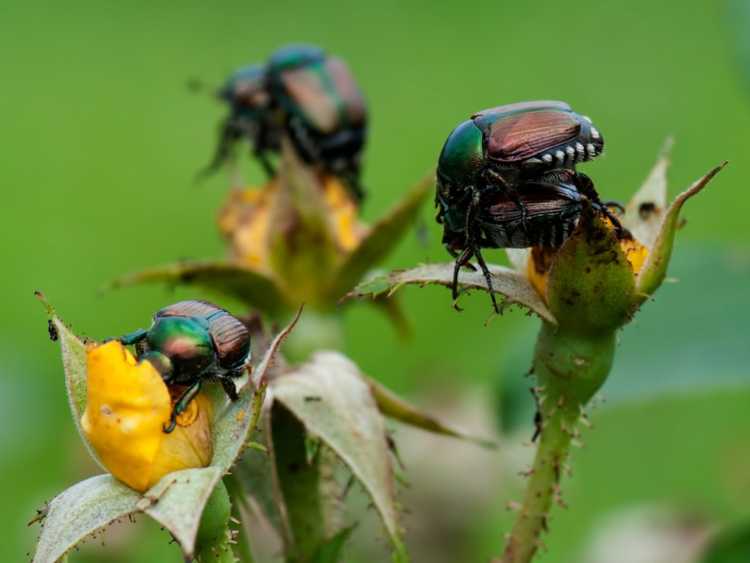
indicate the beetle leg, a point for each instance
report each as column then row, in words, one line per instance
column 229, row 388
column 461, row 260
column 488, row 279
column 469, row 244
column 181, row 404
column 473, row 248
column 133, row 337
column 586, row 186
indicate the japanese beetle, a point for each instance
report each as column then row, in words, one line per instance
column 191, row 342
column 506, row 178
column 307, row 95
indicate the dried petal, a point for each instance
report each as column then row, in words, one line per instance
column 655, row 268
column 645, row 211
column 244, row 222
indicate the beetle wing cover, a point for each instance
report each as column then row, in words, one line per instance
column 523, row 135
column 231, row 339
column 190, row 308
column 348, row 91
column 327, row 94
column 312, row 91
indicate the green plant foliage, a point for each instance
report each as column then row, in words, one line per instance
column 334, row 403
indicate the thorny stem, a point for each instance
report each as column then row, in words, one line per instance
column 570, row 368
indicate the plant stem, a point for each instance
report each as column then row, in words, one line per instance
column 570, row 367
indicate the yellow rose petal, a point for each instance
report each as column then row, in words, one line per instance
column 245, row 220
column 127, row 406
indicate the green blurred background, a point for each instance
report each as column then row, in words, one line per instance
column 102, row 140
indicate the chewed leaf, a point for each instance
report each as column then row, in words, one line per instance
column 237, row 421
column 393, row 406
column 78, row 512
column 329, row 396
column 644, row 212
column 514, row 286
column 381, row 240
column 73, row 351
column 178, row 500
column 228, row 278
column 655, row 269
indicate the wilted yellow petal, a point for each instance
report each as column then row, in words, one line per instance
column 635, row 252
column 189, row 444
column 344, row 214
column 244, row 222
column 537, row 268
column 127, row 406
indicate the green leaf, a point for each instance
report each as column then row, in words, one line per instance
column 655, row 269
column 81, row 510
column 729, row 546
column 645, row 211
column 252, row 288
column 393, row 406
column 330, row 397
column 177, row 502
column 73, row 351
column 512, row 285
column 383, row 237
